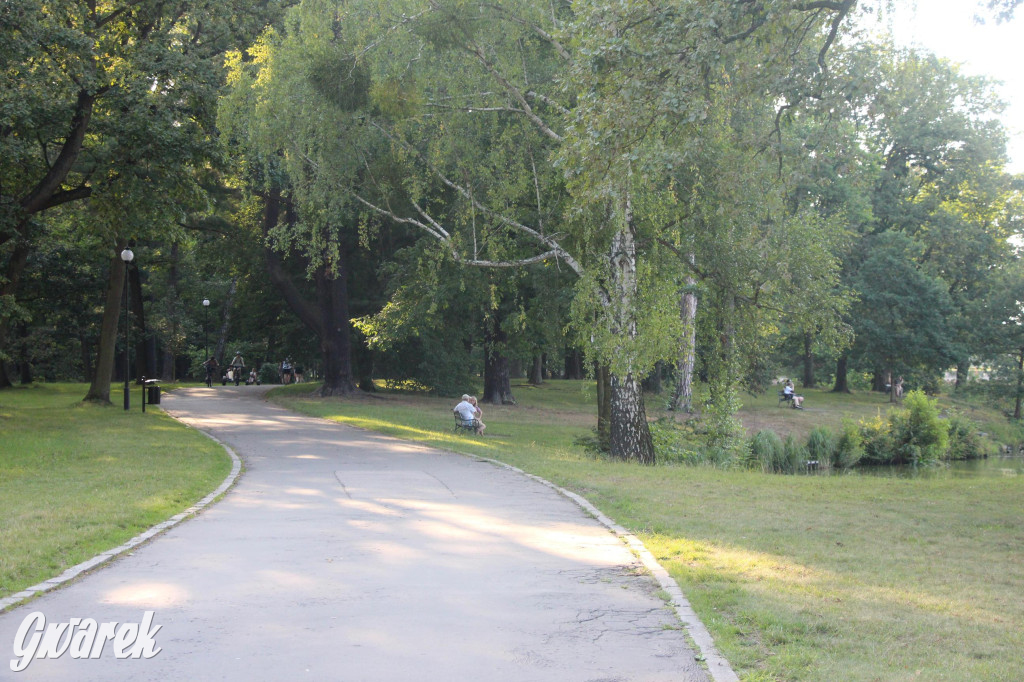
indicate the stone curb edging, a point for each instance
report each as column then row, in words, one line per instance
column 718, row 667
column 100, row 559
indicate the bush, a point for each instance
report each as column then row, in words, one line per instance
column 849, row 448
column 795, row 455
column 767, row 451
column 919, row 434
column 876, row 441
column 965, row 441
column 268, row 374
column 671, row 443
column 821, row 446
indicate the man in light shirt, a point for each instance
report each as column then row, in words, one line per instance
column 467, row 413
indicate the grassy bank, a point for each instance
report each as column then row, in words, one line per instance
column 798, row 577
column 77, row 479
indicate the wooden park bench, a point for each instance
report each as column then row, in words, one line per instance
column 462, row 424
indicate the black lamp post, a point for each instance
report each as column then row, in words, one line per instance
column 206, row 339
column 127, row 257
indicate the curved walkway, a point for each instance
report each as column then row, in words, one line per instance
column 347, row 555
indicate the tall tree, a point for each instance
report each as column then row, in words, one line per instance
column 496, row 65
column 111, row 105
column 902, row 315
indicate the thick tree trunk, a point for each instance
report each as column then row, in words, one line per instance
column 497, row 369
column 682, row 396
column 879, row 380
column 99, row 389
column 329, row 318
column 169, row 371
column 963, row 367
column 573, row 364
column 842, row 385
column 604, row 408
column 497, row 379
column 363, row 365
column 537, row 371
column 630, row 435
column 225, row 321
column 808, row 360
column 336, row 336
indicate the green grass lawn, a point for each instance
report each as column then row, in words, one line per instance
column 77, row 479
column 818, row 578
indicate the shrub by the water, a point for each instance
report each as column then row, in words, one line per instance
column 876, row 441
column 821, row 446
column 919, row 434
column 767, row 451
column 849, row 448
column 965, row 441
column 795, row 455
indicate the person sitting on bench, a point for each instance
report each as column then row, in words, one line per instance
column 789, row 391
column 467, row 413
column 479, row 415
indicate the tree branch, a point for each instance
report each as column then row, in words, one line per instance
column 548, row 241
column 435, row 230
column 559, row 48
column 36, row 200
column 516, row 93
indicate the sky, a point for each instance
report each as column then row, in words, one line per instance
column 948, row 29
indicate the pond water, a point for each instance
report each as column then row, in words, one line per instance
column 1002, row 465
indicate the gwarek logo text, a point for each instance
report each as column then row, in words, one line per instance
column 82, row 638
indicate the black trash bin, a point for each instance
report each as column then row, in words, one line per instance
column 152, row 393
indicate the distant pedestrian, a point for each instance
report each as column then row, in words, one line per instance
column 288, row 371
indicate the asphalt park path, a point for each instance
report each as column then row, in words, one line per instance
column 346, row 555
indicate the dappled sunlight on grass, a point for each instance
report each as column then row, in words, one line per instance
column 772, row 574
column 797, row 577
column 123, row 471
column 414, row 433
